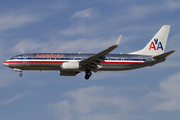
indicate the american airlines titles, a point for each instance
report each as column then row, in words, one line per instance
column 154, row 44
column 49, row 55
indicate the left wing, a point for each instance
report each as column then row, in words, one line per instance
column 96, row 59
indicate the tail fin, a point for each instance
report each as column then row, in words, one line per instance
column 157, row 44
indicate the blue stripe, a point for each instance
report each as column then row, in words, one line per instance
column 118, row 59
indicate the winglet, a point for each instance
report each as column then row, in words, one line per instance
column 118, row 40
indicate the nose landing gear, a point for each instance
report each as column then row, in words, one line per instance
column 19, row 70
column 20, row 74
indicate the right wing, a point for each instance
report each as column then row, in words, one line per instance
column 96, row 59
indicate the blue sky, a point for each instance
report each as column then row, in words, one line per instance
column 88, row 27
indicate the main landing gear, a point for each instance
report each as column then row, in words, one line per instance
column 88, row 74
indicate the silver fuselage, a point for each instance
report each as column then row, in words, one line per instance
column 54, row 61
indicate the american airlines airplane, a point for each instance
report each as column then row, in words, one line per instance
column 70, row 64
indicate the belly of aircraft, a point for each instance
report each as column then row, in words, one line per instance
column 57, row 66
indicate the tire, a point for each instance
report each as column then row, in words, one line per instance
column 86, row 77
column 20, row 74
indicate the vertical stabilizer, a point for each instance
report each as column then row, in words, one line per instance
column 157, row 44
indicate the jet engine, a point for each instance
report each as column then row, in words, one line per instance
column 70, row 66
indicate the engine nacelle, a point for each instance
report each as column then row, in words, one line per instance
column 70, row 66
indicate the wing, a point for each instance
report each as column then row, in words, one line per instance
column 96, row 59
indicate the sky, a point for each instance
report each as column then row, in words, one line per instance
column 88, row 27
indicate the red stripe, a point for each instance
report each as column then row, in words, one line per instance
column 35, row 61
column 121, row 62
column 68, row 61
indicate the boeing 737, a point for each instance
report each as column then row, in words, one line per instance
column 70, row 64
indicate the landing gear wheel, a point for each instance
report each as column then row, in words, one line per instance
column 88, row 75
column 20, row 74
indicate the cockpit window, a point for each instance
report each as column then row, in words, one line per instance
column 13, row 58
column 16, row 57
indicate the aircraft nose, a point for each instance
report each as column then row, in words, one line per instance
column 6, row 63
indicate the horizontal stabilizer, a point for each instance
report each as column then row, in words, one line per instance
column 163, row 55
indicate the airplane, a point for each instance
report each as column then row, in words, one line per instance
column 70, row 64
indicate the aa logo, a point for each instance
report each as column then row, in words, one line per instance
column 154, row 44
